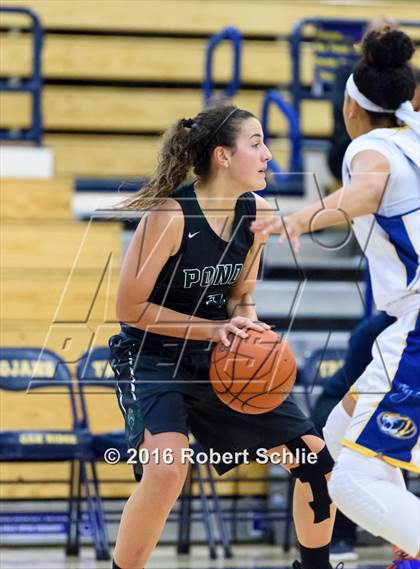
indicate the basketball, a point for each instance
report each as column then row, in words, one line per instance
column 254, row 375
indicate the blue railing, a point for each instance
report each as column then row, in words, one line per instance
column 274, row 98
column 32, row 84
column 289, row 182
column 352, row 30
column 234, row 36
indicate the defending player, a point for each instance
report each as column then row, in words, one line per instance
column 186, row 282
column 381, row 193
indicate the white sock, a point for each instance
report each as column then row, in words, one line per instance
column 335, row 427
column 372, row 493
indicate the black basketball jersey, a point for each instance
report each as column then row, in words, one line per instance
column 196, row 280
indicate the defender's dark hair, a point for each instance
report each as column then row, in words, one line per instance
column 383, row 74
column 187, row 145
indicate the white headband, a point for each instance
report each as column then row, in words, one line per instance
column 405, row 112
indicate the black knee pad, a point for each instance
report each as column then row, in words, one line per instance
column 314, row 475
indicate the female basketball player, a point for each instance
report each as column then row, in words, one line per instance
column 187, row 282
column 379, row 424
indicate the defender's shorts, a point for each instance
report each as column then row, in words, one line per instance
column 386, row 420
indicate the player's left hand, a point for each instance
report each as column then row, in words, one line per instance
column 287, row 228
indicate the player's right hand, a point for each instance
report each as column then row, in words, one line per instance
column 238, row 326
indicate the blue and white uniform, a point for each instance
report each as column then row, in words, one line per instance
column 386, row 420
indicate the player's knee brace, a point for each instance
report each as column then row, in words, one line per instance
column 314, row 474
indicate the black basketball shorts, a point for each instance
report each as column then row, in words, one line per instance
column 162, row 392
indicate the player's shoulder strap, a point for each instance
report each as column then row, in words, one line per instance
column 246, row 212
column 193, row 216
column 186, row 198
column 248, row 204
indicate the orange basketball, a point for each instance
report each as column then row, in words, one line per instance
column 253, row 375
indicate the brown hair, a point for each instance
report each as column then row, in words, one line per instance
column 188, row 144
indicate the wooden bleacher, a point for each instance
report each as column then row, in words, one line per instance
column 134, row 79
column 195, row 16
column 119, row 109
column 44, row 199
column 146, row 59
column 51, row 268
column 79, row 57
column 118, row 155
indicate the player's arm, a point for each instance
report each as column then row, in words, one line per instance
column 158, row 236
column 240, row 301
column 361, row 196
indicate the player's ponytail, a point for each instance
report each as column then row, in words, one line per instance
column 188, row 145
column 173, row 164
column 384, row 75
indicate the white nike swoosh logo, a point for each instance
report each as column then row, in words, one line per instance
column 191, row 235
